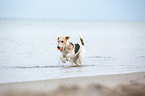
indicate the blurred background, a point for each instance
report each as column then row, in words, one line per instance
column 98, row 10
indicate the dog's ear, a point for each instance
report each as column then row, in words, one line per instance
column 58, row 38
column 67, row 37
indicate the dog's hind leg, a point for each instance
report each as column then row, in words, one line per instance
column 77, row 62
column 80, row 61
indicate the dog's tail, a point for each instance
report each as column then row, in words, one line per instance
column 82, row 41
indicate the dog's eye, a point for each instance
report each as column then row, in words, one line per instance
column 62, row 41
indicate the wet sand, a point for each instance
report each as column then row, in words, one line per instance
column 131, row 84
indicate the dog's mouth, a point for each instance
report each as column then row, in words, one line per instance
column 60, row 48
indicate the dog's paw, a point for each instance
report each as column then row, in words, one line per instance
column 67, row 58
column 78, row 64
column 63, row 60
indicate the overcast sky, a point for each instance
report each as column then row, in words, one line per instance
column 110, row 10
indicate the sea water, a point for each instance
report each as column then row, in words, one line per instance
column 28, row 48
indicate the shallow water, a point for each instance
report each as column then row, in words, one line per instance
column 28, row 49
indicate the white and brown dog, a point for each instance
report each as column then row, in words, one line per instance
column 71, row 52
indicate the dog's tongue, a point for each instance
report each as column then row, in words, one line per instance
column 61, row 49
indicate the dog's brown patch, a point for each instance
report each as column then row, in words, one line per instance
column 67, row 37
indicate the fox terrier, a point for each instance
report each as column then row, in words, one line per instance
column 71, row 52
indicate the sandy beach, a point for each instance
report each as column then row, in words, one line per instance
column 131, row 84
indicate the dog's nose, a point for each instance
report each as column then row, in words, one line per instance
column 58, row 47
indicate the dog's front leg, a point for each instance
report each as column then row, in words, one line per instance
column 68, row 56
column 62, row 59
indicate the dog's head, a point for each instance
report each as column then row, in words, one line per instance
column 62, row 41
